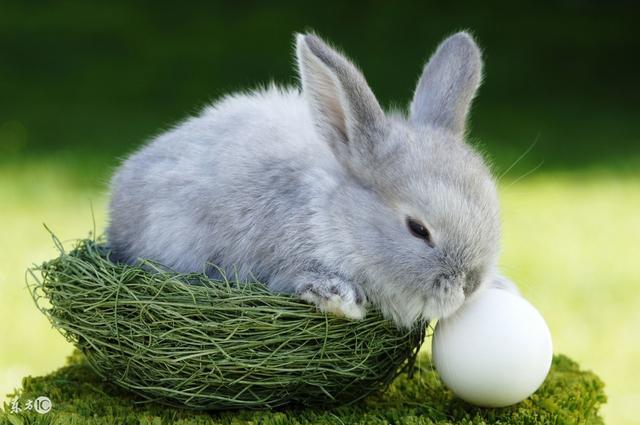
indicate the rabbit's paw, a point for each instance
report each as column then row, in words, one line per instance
column 333, row 295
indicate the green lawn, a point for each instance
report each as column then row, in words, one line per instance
column 570, row 241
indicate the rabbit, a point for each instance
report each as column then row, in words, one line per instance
column 319, row 193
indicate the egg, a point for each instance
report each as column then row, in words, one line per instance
column 494, row 351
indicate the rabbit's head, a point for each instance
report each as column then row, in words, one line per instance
column 419, row 209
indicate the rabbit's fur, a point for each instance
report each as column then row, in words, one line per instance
column 309, row 190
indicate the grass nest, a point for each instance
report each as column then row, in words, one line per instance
column 188, row 341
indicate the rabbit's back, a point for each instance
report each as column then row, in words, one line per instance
column 227, row 187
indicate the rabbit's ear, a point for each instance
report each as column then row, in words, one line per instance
column 448, row 84
column 343, row 107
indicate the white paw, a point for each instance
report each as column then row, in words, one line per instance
column 338, row 298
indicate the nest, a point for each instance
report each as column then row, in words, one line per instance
column 186, row 340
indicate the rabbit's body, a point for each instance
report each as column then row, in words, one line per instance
column 253, row 201
column 311, row 192
column 210, row 184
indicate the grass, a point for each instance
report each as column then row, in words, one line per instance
column 570, row 241
column 78, row 396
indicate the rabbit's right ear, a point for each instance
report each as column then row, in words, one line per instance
column 448, row 84
column 343, row 107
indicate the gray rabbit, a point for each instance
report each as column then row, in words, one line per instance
column 318, row 193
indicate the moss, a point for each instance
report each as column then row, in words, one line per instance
column 79, row 396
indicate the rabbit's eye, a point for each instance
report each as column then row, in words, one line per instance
column 418, row 230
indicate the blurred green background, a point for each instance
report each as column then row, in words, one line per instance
column 83, row 84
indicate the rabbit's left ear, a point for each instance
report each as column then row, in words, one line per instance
column 343, row 107
column 448, row 84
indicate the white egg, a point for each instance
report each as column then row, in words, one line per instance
column 494, row 351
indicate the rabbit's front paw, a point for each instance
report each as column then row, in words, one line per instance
column 333, row 295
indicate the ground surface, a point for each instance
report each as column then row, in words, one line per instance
column 568, row 396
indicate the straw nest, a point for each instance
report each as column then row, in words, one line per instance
column 185, row 340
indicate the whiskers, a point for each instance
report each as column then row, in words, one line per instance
column 517, row 161
column 531, row 171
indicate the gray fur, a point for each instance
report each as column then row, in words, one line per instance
column 448, row 84
column 309, row 190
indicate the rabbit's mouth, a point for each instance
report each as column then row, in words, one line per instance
column 443, row 301
column 449, row 291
